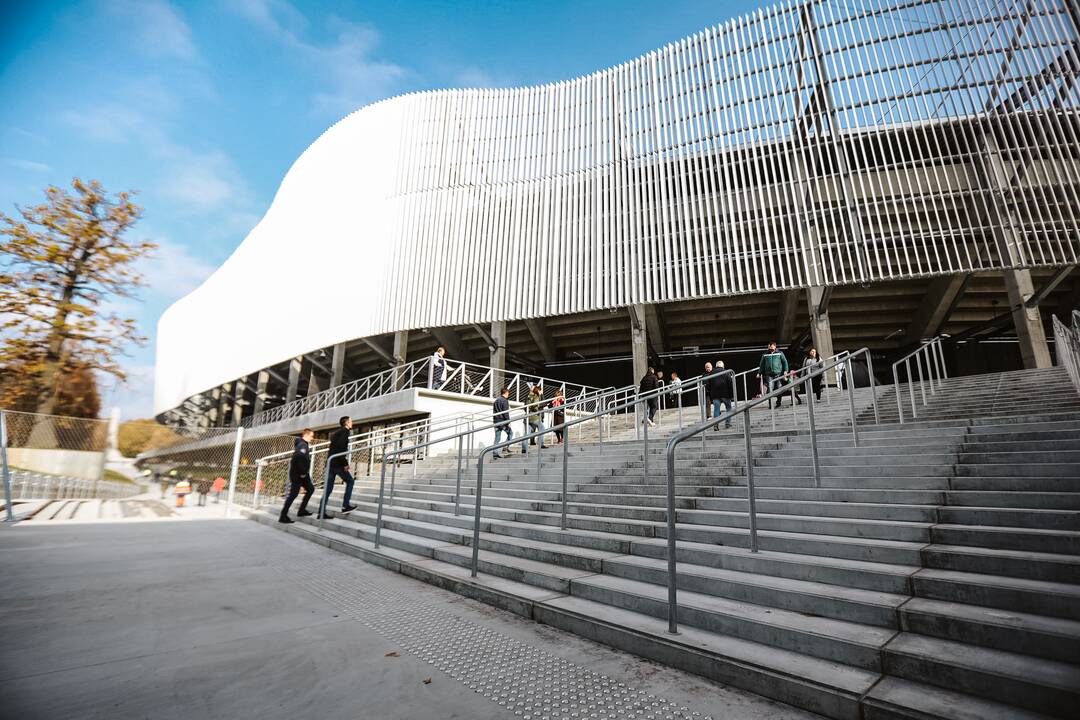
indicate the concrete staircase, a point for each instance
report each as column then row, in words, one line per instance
column 933, row 573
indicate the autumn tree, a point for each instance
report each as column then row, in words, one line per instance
column 62, row 263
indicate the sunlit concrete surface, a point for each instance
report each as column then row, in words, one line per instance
column 227, row 619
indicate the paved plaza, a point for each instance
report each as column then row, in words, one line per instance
column 228, row 619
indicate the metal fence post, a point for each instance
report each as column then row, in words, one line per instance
column 565, row 455
column 457, row 491
column 10, row 514
column 813, row 431
column 235, row 470
column 476, row 514
column 672, row 546
column 851, row 398
column 645, row 452
column 750, row 486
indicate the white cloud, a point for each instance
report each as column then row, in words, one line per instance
column 29, row 165
column 203, row 183
column 354, row 76
column 158, row 28
column 173, row 271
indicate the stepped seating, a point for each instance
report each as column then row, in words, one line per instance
column 934, row 571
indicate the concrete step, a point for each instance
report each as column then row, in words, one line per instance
column 896, row 699
column 1022, row 595
column 1032, row 683
column 1051, row 567
column 1046, row 637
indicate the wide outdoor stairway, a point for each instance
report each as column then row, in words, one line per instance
column 933, row 573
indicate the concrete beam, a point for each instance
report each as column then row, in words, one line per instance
column 450, row 339
column 639, row 345
column 1027, row 320
column 654, row 328
column 337, row 365
column 541, row 335
column 937, row 304
column 380, row 350
column 1049, row 286
column 785, row 320
column 496, row 341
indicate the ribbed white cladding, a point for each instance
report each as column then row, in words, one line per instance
column 807, row 144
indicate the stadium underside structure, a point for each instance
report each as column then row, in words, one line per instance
column 837, row 174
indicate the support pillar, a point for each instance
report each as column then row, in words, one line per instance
column 239, row 391
column 639, row 342
column 497, row 355
column 213, row 415
column 820, row 327
column 224, row 398
column 337, row 366
column 401, row 351
column 260, row 391
column 1028, row 320
column 293, row 389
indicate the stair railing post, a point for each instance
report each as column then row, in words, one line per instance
column 565, row 461
column 922, row 382
column 379, row 511
column 9, row 513
column 873, row 387
column 645, row 452
column 813, row 430
column 457, row 490
column 476, row 514
column 672, row 548
column 704, row 411
column 896, row 392
column 851, row 399
column 941, row 358
column 794, row 415
column 750, row 486
column 911, row 388
column 393, row 470
column 680, row 411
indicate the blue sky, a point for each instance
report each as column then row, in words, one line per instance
column 202, row 107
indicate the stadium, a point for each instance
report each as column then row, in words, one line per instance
column 835, row 175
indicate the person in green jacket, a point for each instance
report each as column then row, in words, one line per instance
column 772, row 369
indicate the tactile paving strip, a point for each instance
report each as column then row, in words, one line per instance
column 530, row 683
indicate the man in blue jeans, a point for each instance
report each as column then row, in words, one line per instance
column 501, row 419
column 339, row 466
column 721, row 391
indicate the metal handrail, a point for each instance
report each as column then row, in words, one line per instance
column 932, row 355
column 674, row 441
column 1067, row 347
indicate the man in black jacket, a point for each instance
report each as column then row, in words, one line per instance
column 501, row 419
column 338, row 465
column 648, row 384
column 720, row 391
column 299, row 475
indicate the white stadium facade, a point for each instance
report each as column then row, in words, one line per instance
column 836, row 174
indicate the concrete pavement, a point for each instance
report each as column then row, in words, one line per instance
column 227, row 619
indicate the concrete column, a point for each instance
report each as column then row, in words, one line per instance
column 224, row 409
column 295, row 365
column 260, row 391
column 337, row 366
column 213, row 415
column 497, row 356
column 401, row 351
column 639, row 342
column 313, row 386
column 239, row 391
column 820, row 328
column 1028, row 320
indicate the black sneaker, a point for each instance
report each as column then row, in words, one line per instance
column 304, row 513
column 496, row 457
column 328, row 516
column 348, row 508
column 285, row 520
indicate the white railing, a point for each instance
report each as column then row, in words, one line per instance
column 1067, row 347
column 459, row 377
column 26, row 485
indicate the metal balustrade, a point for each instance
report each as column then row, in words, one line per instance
column 678, row 438
column 1067, row 347
column 932, row 356
column 27, row 485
